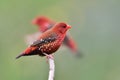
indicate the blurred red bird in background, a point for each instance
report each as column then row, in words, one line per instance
column 48, row 42
column 45, row 23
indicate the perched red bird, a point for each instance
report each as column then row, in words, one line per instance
column 48, row 42
column 45, row 23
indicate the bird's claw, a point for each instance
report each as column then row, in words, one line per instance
column 48, row 56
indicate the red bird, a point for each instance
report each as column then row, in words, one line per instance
column 45, row 23
column 49, row 42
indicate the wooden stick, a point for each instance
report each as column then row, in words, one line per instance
column 51, row 69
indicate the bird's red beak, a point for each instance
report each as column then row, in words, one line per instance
column 68, row 26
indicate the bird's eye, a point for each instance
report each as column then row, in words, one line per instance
column 64, row 26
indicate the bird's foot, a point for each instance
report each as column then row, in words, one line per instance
column 49, row 56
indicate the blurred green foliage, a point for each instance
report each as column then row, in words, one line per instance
column 95, row 28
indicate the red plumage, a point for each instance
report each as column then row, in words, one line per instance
column 48, row 42
column 45, row 23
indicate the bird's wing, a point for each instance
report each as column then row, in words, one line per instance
column 48, row 39
column 50, row 25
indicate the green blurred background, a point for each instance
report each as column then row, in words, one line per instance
column 95, row 28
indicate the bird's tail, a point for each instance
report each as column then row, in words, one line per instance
column 22, row 54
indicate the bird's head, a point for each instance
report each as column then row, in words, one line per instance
column 61, row 27
column 42, row 22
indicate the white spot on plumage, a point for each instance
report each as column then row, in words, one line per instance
column 49, row 49
column 41, row 39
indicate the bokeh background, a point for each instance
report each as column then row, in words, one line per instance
column 95, row 28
